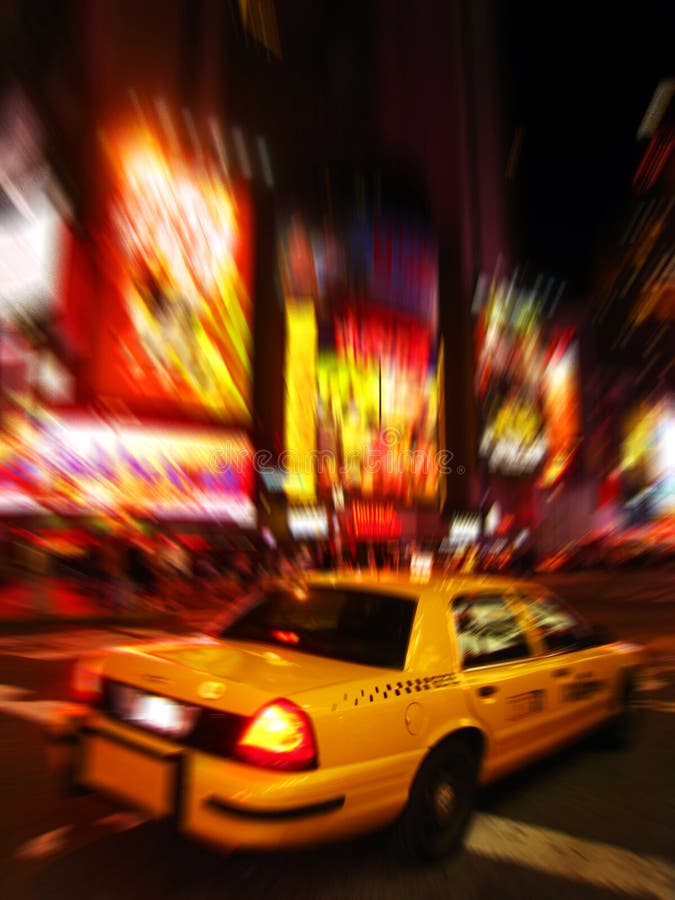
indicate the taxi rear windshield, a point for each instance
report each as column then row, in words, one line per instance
column 355, row 626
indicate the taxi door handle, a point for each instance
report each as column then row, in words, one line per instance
column 487, row 690
column 561, row 673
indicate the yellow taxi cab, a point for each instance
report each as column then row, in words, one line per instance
column 329, row 707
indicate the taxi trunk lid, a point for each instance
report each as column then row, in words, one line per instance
column 236, row 676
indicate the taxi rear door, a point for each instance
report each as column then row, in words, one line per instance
column 508, row 683
column 582, row 675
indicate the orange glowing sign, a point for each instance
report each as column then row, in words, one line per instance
column 180, row 329
column 400, row 343
column 561, row 411
column 375, row 521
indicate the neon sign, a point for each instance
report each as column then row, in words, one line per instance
column 375, row 521
column 179, row 329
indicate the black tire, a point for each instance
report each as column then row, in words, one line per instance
column 440, row 802
column 621, row 732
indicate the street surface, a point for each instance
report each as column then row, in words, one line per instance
column 587, row 823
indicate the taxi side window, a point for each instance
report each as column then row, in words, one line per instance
column 487, row 631
column 558, row 627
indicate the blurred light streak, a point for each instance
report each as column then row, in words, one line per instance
column 242, row 152
column 265, row 163
column 169, row 127
column 219, row 144
column 657, row 108
column 192, row 131
column 259, row 18
column 654, row 160
column 514, row 154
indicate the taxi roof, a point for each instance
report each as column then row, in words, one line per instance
column 413, row 585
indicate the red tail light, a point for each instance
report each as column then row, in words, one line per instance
column 86, row 683
column 279, row 736
column 286, row 637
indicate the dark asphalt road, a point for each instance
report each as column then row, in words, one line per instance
column 586, row 823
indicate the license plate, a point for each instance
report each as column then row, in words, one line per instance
column 145, row 781
column 162, row 715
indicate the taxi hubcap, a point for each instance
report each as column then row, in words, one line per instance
column 444, row 801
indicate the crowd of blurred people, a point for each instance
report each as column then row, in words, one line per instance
column 126, row 572
column 170, row 571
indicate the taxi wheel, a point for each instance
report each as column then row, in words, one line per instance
column 440, row 803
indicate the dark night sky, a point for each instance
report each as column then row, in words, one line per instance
column 578, row 79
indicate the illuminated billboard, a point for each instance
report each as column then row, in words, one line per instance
column 513, row 439
column 377, row 429
column 527, row 382
column 31, row 227
column 363, row 395
column 178, row 327
column 82, row 466
column 31, row 241
column 308, row 522
column 374, row 521
column 648, row 456
column 561, row 410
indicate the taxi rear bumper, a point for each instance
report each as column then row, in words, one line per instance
column 274, row 815
column 232, row 805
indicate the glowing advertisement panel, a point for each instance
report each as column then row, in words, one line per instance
column 370, row 423
column 377, row 429
column 527, row 382
column 31, row 227
column 648, row 457
column 83, row 466
column 561, row 411
column 30, row 255
column 308, row 522
column 177, row 329
column 374, row 521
